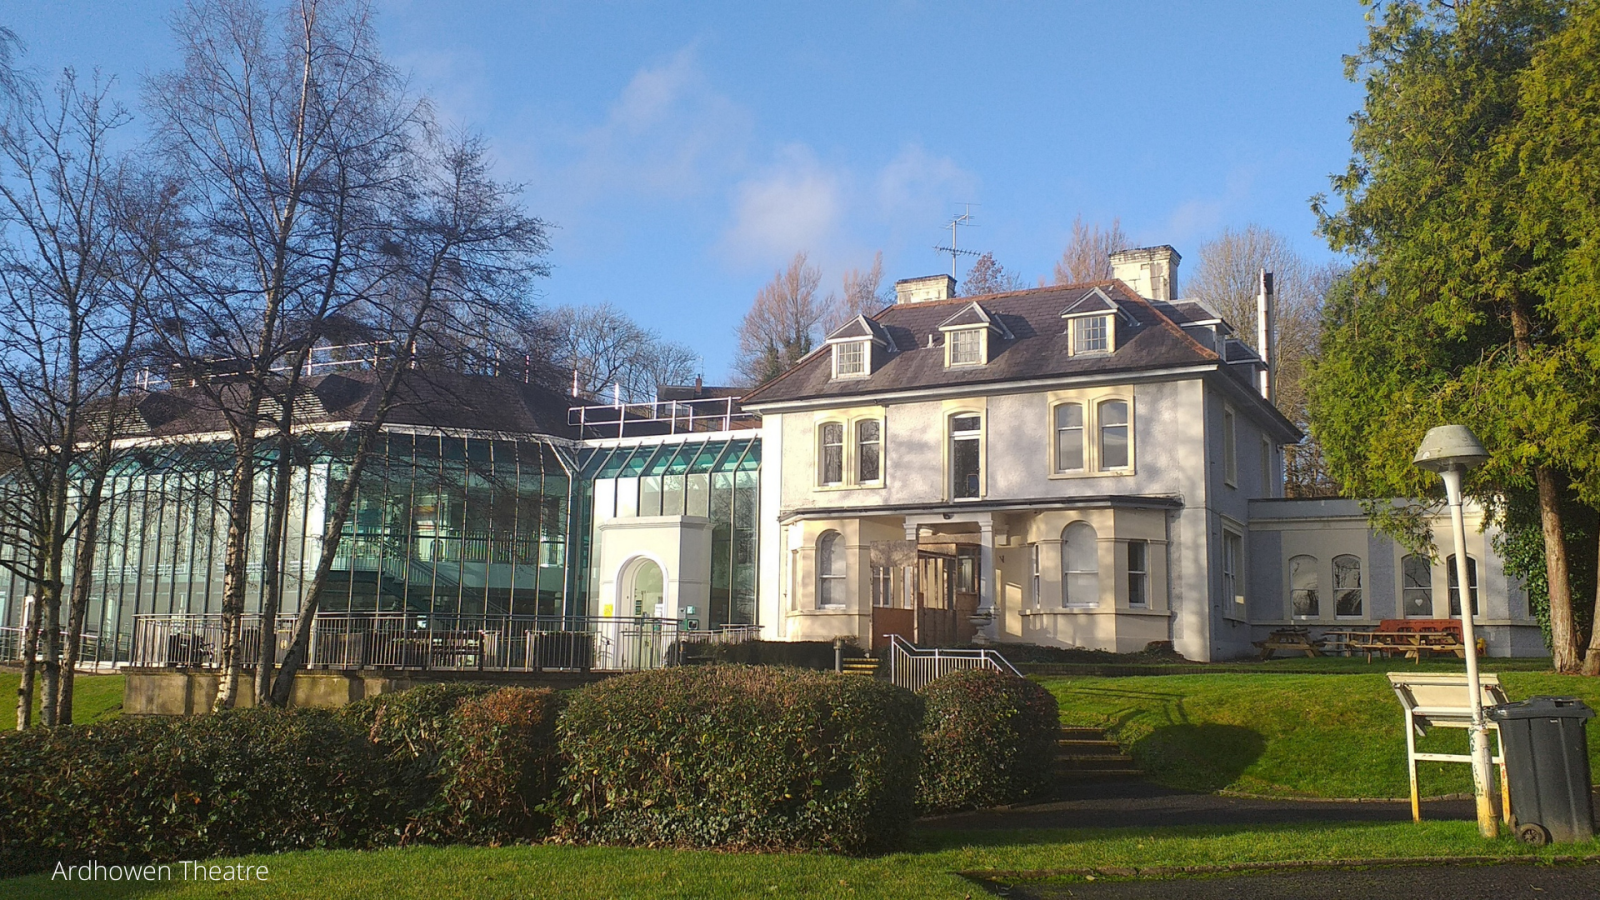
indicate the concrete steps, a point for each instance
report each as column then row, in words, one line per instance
column 856, row 666
column 1086, row 754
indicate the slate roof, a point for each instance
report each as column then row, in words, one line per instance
column 861, row 328
column 429, row 399
column 1036, row 348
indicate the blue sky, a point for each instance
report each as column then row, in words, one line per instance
column 686, row 151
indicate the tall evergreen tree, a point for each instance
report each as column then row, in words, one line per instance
column 1452, row 311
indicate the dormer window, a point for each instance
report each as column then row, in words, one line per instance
column 859, row 346
column 969, row 336
column 966, row 347
column 1091, row 334
column 850, row 359
column 1093, row 323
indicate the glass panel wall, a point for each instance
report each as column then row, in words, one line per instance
column 440, row 524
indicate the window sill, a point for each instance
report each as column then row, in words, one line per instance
column 835, row 488
column 825, row 611
column 1102, row 473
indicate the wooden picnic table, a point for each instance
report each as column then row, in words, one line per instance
column 1342, row 640
column 1413, row 638
column 1296, row 640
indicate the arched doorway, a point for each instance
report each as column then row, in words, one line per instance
column 642, row 588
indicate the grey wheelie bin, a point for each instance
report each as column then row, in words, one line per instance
column 1547, row 764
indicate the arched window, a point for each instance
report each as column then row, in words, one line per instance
column 1416, row 586
column 830, row 571
column 830, row 462
column 1303, row 595
column 1069, row 437
column 1347, row 586
column 1455, row 585
column 1080, row 565
column 1113, row 434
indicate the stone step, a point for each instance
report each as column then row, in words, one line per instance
column 1082, row 733
column 1084, row 747
column 1084, row 753
column 861, row 667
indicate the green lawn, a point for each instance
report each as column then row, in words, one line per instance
column 1282, row 734
column 95, row 698
column 929, row 869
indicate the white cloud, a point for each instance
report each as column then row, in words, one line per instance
column 796, row 204
column 667, row 135
column 1195, row 219
column 917, row 183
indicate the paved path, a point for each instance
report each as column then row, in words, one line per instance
column 1493, row 882
column 1136, row 804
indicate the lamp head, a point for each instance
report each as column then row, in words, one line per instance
column 1450, row 447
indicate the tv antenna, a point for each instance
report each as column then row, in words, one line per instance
column 954, row 249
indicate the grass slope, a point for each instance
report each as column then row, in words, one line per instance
column 929, row 869
column 95, row 698
column 1282, row 734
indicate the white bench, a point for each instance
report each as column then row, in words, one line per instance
column 1440, row 700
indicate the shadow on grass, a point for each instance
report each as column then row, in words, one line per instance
column 1204, row 757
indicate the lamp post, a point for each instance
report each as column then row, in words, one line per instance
column 1451, row 450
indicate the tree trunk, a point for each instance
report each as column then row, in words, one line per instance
column 50, row 634
column 299, row 646
column 235, row 565
column 78, row 603
column 272, row 557
column 1591, row 659
column 1563, row 627
column 30, row 649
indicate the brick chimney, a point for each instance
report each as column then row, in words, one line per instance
column 1150, row 271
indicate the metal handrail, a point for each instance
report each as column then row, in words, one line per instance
column 914, row 668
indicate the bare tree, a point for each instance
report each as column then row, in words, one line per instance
column 1225, row 277
column 12, row 83
column 281, row 125
column 781, row 324
column 72, row 292
column 467, row 251
column 863, row 294
column 1086, row 257
column 989, row 277
column 604, row 351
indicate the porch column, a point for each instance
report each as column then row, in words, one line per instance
column 986, row 580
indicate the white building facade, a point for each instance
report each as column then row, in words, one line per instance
column 1083, row 466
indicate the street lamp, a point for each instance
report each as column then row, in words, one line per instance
column 1451, row 450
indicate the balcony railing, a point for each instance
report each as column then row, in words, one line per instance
column 428, row 641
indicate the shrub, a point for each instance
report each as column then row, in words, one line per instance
column 745, row 757
column 410, row 724
column 800, row 654
column 498, row 766
column 988, row 738
column 135, row 790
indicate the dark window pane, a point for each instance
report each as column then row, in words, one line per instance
column 964, row 467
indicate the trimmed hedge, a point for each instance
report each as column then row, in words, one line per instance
column 988, row 738
column 816, row 655
column 747, row 757
column 411, row 724
column 498, row 767
column 137, row 790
